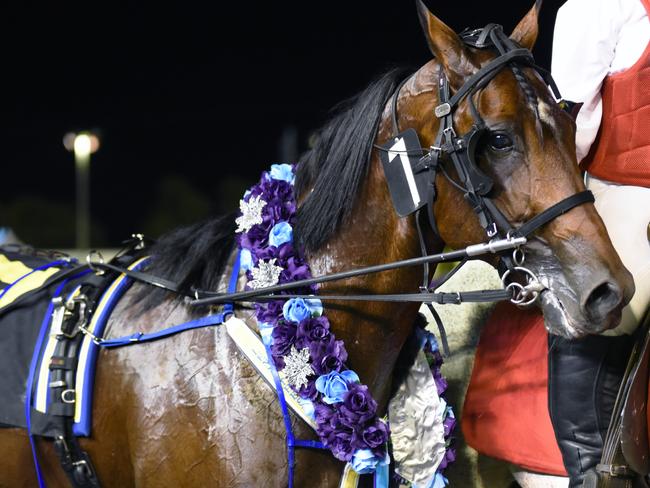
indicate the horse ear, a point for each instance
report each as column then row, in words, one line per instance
column 526, row 31
column 444, row 43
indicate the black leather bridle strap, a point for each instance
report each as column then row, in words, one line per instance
column 489, row 69
column 556, row 210
column 441, row 298
column 147, row 278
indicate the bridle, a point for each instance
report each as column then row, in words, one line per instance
column 461, row 151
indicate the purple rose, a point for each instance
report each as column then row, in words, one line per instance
column 256, row 238
column 282, row 253
column 294, row 270
column 323, row 414
column 269, row 312
column 358, row 405
column 340, row 443
column 284, row 335
column 328, row 355
column 313, row 330
column 376, row 435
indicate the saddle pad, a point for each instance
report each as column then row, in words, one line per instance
column 26, row 342
column 506, row 408
column 20, row 324
column 19, row 274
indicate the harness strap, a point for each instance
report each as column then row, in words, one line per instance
column 442, row 298
column 140, row 337
column 520, row 54
column 142, row 277
column 215, row 319
column 555, row 211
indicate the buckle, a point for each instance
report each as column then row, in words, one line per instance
column 85, row 331
column 65, row 395
column 442, row 110
column 615, row 470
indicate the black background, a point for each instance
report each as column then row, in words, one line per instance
column 190, row 99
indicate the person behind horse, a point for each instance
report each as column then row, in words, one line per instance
column 601, row 58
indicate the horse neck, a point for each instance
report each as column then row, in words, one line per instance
column 373, row 332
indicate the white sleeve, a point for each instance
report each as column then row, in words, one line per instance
column 584, row 43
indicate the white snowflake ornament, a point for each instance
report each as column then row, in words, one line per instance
column 251, row 213
column 297, row 367
column 267, row 273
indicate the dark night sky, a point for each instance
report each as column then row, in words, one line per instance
column 196, row 91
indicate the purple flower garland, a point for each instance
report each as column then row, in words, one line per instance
column 304, row 349
column 343, row 408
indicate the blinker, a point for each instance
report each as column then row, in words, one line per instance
column 481, row 182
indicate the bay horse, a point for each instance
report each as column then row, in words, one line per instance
column 191, row 411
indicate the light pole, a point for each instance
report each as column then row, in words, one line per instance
column 82, row 145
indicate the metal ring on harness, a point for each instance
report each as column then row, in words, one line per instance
column 523, row 295
column 65, row 393
column 518, row 257
column 100, row 260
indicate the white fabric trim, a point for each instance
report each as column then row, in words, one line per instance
column 592, row 39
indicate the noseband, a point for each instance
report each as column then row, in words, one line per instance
column 461, row 150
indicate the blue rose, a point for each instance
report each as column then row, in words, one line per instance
column 315, row 306
column 245, row 260
column 280, row 233
column 334, row 385
column 364, row 461
column 282, row 172
column 266, row 331
column 296, row 310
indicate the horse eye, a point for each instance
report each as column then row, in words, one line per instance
column 499, row 142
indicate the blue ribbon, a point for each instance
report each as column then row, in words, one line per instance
column 381, row 476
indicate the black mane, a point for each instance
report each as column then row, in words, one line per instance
column 335, row 167
column 338, row 163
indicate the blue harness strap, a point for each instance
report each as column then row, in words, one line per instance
column 139, row 337
column 215, row 319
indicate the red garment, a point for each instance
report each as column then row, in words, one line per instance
column 621, row 152
column 506, row 409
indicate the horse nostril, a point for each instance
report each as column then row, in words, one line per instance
column 602, row 300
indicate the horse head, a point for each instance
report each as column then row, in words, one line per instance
column 527, row 150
